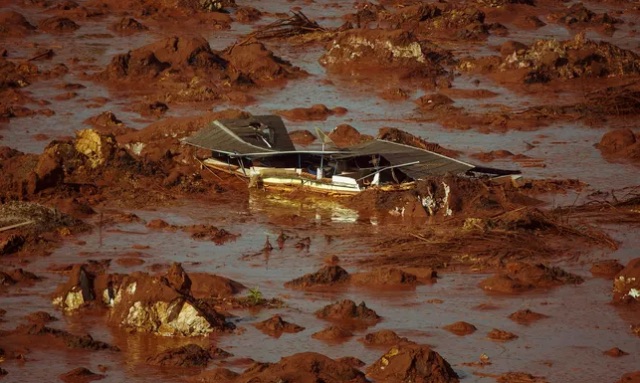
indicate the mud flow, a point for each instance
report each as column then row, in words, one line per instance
column 125, row 257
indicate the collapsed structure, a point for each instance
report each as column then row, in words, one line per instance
column 259, row 148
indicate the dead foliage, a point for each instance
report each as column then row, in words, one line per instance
column 616, row 206
column 296, row 24
column 526, row 233
column 621, row 100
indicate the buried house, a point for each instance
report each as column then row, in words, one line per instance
column 259, row 148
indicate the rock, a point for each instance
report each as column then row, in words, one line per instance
column 161, row 305
column 80, row 375
column 501, row 335
column 347, row 310
column 96, row 147
column 327, row 276
column 461, row 328
column 333, row 333
column 385, row 338
column 304, row 367
column 77, row 291
column 626, row 284
column 190, row 355
column 606, row 269
column 520, row 276
column 275, row 326
column 412, row 363
column 526, row 316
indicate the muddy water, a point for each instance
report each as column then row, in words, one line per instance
column 567, row 346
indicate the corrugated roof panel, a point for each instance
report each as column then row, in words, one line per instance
column 257, row 134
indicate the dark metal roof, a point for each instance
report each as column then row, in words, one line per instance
column 256, row 134
column 423, row 162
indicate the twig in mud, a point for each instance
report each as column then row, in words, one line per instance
column 206, row 167
column 297, row 24
column 16, row 225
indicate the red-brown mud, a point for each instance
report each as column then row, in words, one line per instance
column 100, row 198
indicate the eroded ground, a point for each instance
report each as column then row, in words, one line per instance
column 122, row 259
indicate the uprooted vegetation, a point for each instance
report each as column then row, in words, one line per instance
column 481, row 224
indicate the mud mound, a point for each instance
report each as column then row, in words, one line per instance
column 348, row 311
column 406, row 138
column 385, row 277
column 626, row 284
column 327, row 276
column 254, row 63
column 615, row 352
column 630, row 377
column 346, row 135
column 190, row 355
column 14, row 24
column 85, row 342
column 10, row 277
column 384, row 338
column 302, row 137
column 550, row 59
column 333, row 334
column 307, row 367
column 501, row 335
column 621, row 144
column 41, row 317
column 526, row 316
column 58, row 24
column 176, row 53
column 80, row 375
column 209, row 285
column 520, row 276
column 523, row 377
column 397, row 53
column 318, row 112
column 461, row 328
column 42, row 218
column 579, row 16
column 11, row 76
column 606, row 269
column 275, row 326
column 129, row 25
column 412, row 363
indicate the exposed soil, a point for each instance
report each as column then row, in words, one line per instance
column 122, row 258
